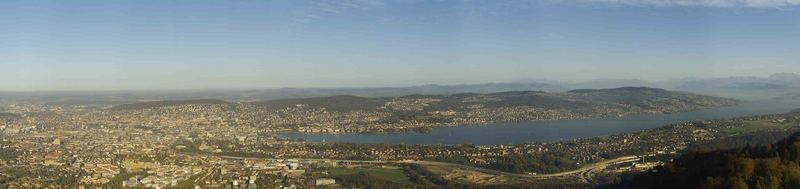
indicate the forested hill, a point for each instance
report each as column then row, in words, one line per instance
column 769, row 166
column 652, row 100
column 347, row 113
column 584, row 100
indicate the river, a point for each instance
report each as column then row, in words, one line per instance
column 547, row 131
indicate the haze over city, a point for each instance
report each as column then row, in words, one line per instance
column 400, row 94
column 102, row 45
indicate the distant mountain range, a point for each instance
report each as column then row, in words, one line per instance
column 783, row 82
column 774, row 82
column 739, row 87
column 774, row 86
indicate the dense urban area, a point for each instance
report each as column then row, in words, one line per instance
column 218, row 144
column 400, row 94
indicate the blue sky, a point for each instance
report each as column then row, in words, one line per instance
column 118, row 45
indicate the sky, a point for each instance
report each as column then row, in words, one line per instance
column 244, row 44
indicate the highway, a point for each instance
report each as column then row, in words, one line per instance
column 584, row 173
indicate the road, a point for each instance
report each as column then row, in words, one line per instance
column 584, row 173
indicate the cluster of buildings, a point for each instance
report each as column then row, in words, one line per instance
column 233, row 145
column 669, row 140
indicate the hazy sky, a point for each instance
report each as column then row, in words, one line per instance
column 111, row 45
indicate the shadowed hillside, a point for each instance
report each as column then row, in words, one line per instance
column 768, row 166
column 576, row 100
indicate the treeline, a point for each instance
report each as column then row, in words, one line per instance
column 7, row 115
column 7, row 152
column 367, row 181
column 421, row 177
column 546, row 163
column 767, row 166
column 629, row 95
column 11, row 177
column 740, row 141
column 550, row 162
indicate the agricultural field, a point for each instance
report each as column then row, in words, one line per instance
column 393, row 174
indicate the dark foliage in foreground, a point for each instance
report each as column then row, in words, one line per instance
column 767, row 166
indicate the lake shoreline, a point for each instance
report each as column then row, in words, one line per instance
column 552, row 130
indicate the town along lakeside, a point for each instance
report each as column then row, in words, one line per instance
column 551, row 130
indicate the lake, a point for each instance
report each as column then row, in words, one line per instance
column 547, row 131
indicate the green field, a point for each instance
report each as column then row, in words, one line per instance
column 393, row 174
column 758, row 125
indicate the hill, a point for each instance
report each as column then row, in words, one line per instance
column 344, row 103
column 293, row 93
column 635, row 97
column 768, row 166
column 165, row 103
column 606, row 83
column 348, row 113
column 104, row 98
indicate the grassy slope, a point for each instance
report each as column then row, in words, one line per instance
column 391, row 174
